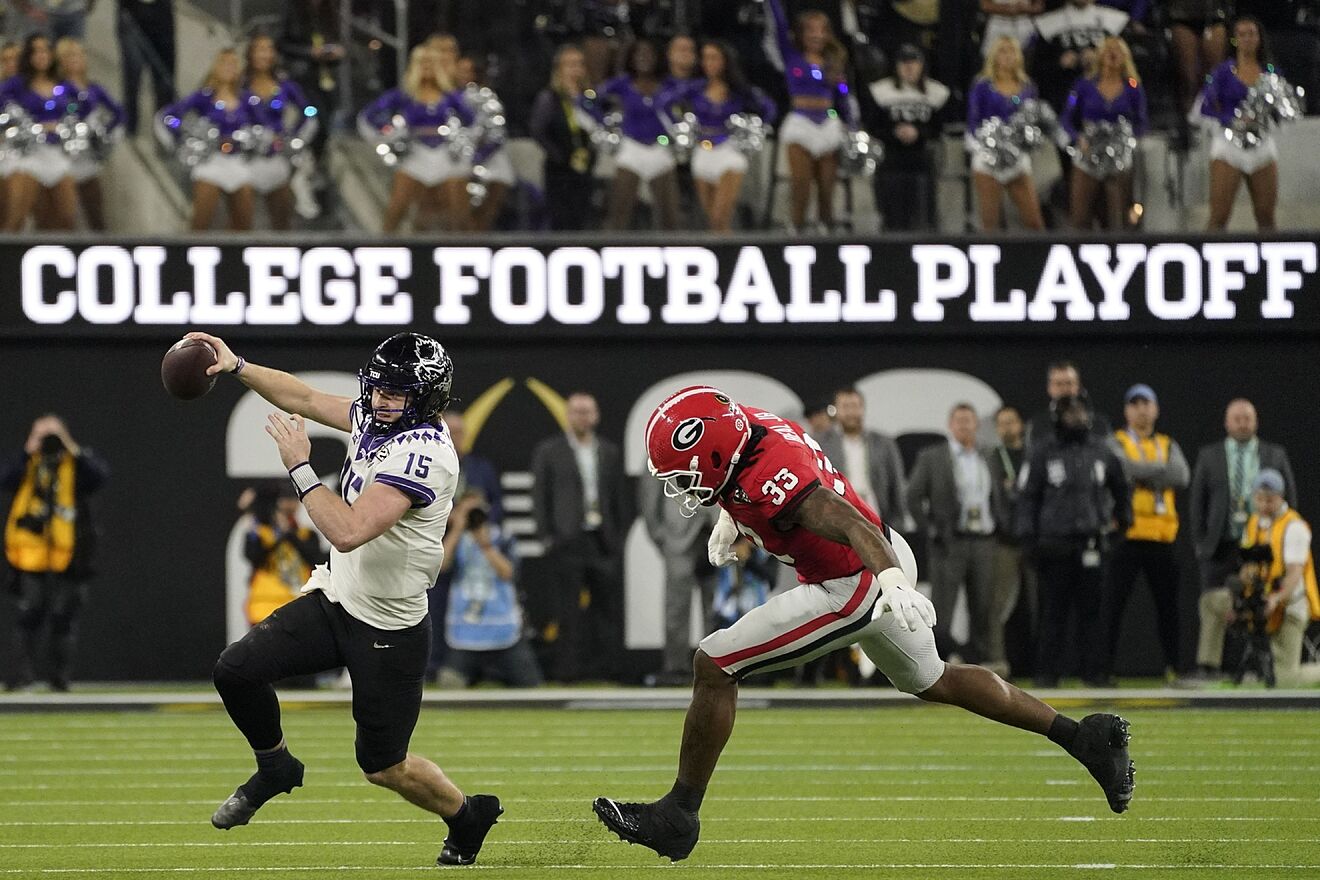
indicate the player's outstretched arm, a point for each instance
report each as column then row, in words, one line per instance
column 345, row 527
column 829, row 515
column 287, row 392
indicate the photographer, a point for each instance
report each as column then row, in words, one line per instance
column 282, row 550
column 49, row 543
column 1277, row 548
column 484, row 622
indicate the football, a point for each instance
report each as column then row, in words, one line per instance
column 183, row 370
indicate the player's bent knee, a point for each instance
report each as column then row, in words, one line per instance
column 708, row 673
column 935, row 693
column 382, row 768
column 389, row 777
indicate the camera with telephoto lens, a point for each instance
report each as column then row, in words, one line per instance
column 476, row 518
column 1250, row 626
column 51, row 445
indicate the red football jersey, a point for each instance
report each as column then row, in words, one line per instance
column 785, row 466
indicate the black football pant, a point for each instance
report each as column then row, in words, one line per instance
column 1159, row 563
column 1069, row 590
column 47, row 598
column 312, row 634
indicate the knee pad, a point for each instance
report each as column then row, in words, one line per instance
column 228, row 671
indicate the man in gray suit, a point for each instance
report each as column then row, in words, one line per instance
column 1221, row 505
column 577, row 500
column 870, row 460
column 682, row 543
column 950, row 498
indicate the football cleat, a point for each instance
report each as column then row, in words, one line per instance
column 242, row 805
column 668, row 830
column 463, row 843
column 1102, row 748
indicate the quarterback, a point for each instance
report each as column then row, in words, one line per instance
column 366, row 611
column 774, row 486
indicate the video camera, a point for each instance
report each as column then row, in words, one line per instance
column 1251, row 626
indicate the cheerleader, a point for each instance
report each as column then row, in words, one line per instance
column 9, row 53
column 997, row 93
column 223, row 104
column 718, row 165
column 428, row 171
column 643, row 156
column 813, row 63
column 43, row 171
column 1112, row 94
column 1230, row 163
column 87, row 99
column 272, row 98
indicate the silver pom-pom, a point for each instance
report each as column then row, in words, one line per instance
column 1271, row 102
column 997, row 144
column 461, row 140
column 17, row 131
column 393, row 141
column 1111, row 148
column 683, row 135
column 489, row 119
column 608, row 136
column 1036, row 123
column 747, row 131
column 1001, row 143
column 859, row 155
column 199, row 139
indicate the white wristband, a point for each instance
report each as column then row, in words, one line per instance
column 892, row 577
column 304, row 479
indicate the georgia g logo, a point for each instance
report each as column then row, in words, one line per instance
column 687, row 434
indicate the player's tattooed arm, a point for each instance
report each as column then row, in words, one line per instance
column 829, row 515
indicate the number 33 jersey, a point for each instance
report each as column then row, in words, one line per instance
column 780, row 469
column 384, row 582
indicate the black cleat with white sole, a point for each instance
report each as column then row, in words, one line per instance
column 665, row 828
column 1102, row 748
column 242, row 805
column 467, row 835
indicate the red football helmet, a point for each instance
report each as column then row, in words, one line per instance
column 693, row 440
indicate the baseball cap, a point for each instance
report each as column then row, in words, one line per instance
column 1269, row 480
column 1139, row 391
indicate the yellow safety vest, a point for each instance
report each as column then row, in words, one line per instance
column 1154, row 516
column 278, row 581
column 1252, row 536
column 52, row 548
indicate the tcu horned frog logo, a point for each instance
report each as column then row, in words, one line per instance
column 687, row 433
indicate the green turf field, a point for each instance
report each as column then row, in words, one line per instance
column 911, row 793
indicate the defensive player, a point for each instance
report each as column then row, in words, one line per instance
column 367, row 611
column 775, row 486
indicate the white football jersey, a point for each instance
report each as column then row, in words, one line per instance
column 383, row 583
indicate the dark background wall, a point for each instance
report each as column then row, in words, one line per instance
column 156, row 609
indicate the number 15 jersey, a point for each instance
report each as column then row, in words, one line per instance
column 781, row 467
column 384, row 582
